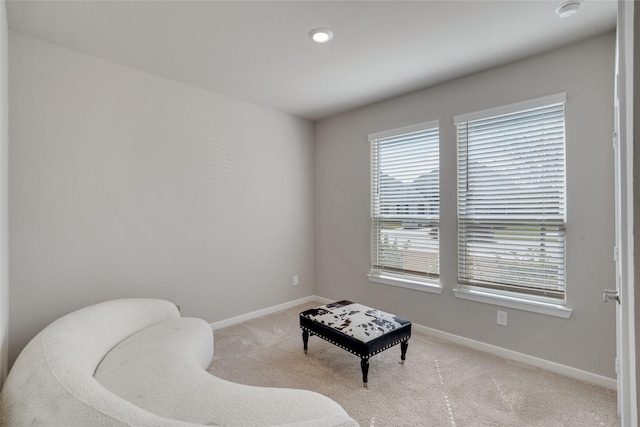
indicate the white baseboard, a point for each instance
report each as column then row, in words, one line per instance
column 322, row 300
column 558, row 368
column 259, row 313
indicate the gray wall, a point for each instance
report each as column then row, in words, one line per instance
column 124, row 184
column 4, row 193
column 585, row 71
column 634, row 102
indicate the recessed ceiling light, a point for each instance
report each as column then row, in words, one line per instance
column 568, row 8
column 321, row 35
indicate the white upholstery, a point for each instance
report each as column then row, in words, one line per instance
column 149, row 366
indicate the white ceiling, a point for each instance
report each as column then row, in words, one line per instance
column 259, row 51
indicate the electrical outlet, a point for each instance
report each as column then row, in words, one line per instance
column 295, row 280
column 502, row 318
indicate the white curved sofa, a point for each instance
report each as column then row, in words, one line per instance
column 136, row 362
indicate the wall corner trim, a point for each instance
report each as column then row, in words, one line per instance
column 259, row 313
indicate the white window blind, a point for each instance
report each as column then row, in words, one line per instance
column 511, row 198
column 405, row 202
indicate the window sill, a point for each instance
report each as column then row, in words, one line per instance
column 513, row 301
column 416, row 285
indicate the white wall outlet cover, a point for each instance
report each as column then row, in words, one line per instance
column 502, row 318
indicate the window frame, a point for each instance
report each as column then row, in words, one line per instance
column 396, row 277
column 515, row 299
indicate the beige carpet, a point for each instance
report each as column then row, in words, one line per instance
column 441, row 384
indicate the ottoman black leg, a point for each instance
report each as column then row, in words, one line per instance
column 305, row 339
column 364, row 364
column 403, row 347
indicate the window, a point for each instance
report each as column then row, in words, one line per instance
column 405, row 203
column 511, row 198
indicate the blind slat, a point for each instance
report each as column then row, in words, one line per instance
column 511, row 201
column 405, row 203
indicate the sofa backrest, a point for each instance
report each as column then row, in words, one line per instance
column 79, row 340
column 52, row 383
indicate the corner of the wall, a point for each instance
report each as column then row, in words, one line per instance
column 263, row 312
